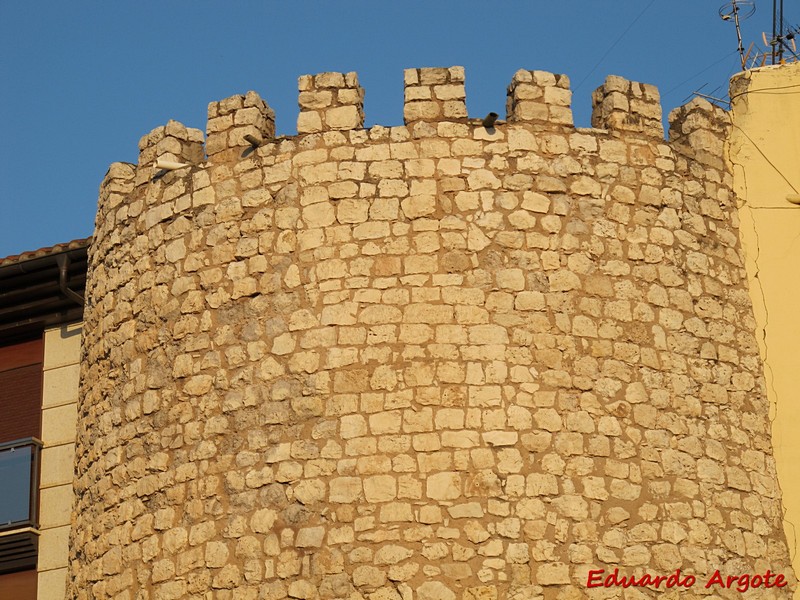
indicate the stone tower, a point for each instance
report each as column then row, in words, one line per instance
column 431, row 362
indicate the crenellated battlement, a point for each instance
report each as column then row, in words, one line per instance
column 172, row 142
column 699, row 129
column 238, row 122
column 433, row 95
column 330, row 102
column 537, row 101
column 539, row 97
column 622, row 105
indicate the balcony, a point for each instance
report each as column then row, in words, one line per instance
column 19, row 493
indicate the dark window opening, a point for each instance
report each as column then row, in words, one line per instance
column 20, row 426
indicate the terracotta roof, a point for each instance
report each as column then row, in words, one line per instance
column 41, row 252
column 41, row 288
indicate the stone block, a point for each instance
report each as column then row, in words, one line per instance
column 435, row 590
column 57, row 465
column 60, row 386
column 418, row 206
column 380, row 488
column 52, row 584
column 444, row 486
column 62, row 344
column 53, row 548
column 315, row 100
column 309, row 122
column 310, row 537
column 343, row 117
column 55, row 506
column 552, row 574
column 344, row 490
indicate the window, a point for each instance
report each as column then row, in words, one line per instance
column 20, row 425
column 19, row 472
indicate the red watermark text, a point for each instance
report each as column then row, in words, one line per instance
column 741, row 583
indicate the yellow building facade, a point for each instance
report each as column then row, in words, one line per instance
column 59, row 416
column 764, row 151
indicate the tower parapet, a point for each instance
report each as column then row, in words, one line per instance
column 114, row 197
column 433, row 94
column 238, row 122
column 172, row 142
column 539, row 97
column 698, row 129
column 330, row 102
column 627, row 106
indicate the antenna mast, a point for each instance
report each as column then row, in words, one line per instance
column 739, row 10
column 782, row 35
column 777, row 32
column 774, row 37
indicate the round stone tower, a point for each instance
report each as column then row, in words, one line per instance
column 441, row 361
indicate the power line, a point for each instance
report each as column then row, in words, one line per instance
column 769, row 90
column 766, row 158
column 614, row 45
column 688, row 79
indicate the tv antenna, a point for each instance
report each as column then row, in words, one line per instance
column 736, row 11
column 782, row 35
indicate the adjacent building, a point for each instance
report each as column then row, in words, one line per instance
column 41, row 307
column 764, row 152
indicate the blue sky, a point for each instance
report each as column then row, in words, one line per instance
column 81, row 82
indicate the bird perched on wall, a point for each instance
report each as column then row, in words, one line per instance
column 489, row 120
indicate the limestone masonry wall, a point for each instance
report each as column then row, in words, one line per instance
column 430, row 362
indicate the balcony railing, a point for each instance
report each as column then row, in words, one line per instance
column 19, row 484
